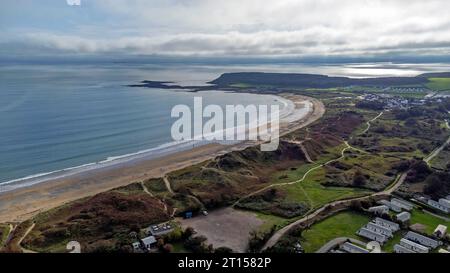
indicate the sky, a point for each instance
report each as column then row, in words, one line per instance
column 226, row 28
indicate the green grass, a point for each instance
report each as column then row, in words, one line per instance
column 429, row 221
column 4, row 231
column 272, row 220
column 344, row 224
column 389, row 246
column 179, row 248
column 439, row 84
column 316, row 195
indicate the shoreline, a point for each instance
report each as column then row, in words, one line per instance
column 21, row 204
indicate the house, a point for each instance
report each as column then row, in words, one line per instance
column 402, row 204
column 379, row 210
column 379, row 229
column 413, row 246
column 401, row 249
column 423, row 240
column 144, row 244
column 440, row 231
column 438, row 205
column 403, row 217
column 391, row 206
column 351, row 248
column 388, row 224
column 371, row 235
column 444, row 202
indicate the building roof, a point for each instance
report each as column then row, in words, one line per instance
column 402, row 203
column 404, row 216
column 367, row 232
column 353, row 248
column 444, row 202
column 422, row 239
column 386, row 222
column 401, row 249
column 149, row 240
column 381, row 207
column 441, row 228
column 373, row 226
column 406, row 242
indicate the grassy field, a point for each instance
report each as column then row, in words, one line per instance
column 429, row 221
column 344, row 224
column 389, row 246
column 439, row 84
column 273, row 220
column 316, row 195
column 4, row 230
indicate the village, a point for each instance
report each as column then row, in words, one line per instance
column 408, row 238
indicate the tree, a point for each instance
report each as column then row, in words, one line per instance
column 223, row 250
column 167, row 248
column 358, row 179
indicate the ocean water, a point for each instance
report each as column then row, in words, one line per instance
column 56, row 118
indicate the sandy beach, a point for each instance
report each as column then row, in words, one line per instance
column 23, row 203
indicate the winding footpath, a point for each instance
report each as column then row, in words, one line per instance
column 438, row 150
column 370, row 121
column 299, row 180
column 280, row 233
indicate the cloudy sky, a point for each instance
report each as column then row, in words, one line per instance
column 226, row 27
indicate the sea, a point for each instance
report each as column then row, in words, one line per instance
column 57, row 119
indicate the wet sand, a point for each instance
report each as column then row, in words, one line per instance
column 21, row 204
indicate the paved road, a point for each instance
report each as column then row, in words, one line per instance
column 436, row 152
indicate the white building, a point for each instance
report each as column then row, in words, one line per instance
column 147, row 243
column 445, row 203
column 402, row 204
column 440, row 231
column 391, row 206
column 401, row 249
column 388, row 224
column 423, row 240
column 379, row 210
column 438, row 206
column 403, row 217
column 371, row 235
column 379, row 229
column 413, row 246
column 351, row 248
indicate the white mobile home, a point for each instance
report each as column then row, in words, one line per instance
column 402, row 204
column 423, row 240
column 379, row 210
column 379, row 229
column 351, row 248
column 403, row 217
column 440, row 231
column 401, row 249
column 371, row 235
column 388, row 224
column 438, row 206
column 391, row 206
column 413, row 246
